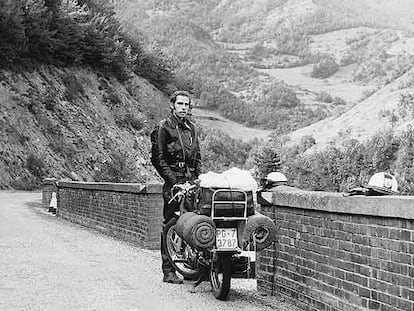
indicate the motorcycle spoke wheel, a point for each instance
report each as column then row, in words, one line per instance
column 182, row 256
column 220, row 277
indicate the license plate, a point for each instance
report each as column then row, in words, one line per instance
column 226, row 238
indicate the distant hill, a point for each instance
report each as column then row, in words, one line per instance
column 363, row 120
column 262, row 42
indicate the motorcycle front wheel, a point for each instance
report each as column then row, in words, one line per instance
column 181, row 255
column 220, row 276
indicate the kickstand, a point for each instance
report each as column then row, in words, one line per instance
column 204, row 271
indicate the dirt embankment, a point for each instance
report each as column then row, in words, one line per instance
column 67, row 123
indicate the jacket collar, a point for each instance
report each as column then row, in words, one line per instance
column 173, row 121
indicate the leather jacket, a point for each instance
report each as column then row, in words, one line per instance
column 179, row 156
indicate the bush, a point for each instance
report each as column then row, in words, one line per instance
column 278, row 94
column 130, row 119
column 74, row 88
column 338, row 101
column 325, row 68
column 324, row 97
column 220, row 152
column 26, row 183
column 118, row 169
column 266, row 160
column 36, row 166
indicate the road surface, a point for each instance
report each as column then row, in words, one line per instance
column 47, row 263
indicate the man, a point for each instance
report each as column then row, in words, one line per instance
column 176, row 157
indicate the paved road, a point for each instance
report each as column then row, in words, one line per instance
column 50, row 264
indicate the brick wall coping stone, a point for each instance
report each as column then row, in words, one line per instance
column 382, row 206
column 116, row 187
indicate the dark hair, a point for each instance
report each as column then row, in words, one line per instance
column 174, row 95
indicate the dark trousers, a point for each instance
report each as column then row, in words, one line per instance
column 168, row 213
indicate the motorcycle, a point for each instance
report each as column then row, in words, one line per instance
column 215, row 237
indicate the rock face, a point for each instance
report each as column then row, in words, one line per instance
column 71, row 123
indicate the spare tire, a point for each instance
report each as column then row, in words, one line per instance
column 200, row 232
column 179, row 227
column 260, row 229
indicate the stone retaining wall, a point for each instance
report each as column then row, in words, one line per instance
column 339, row 253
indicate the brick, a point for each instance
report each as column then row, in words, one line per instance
column 363, row 270
column 347, row 246
column 411, row 249
column 373, row 305
column 404, row 247
column 343, row 236
column 411, row 271
column 348, row 266
column 350, row 287
column 404, row 305
column 407, row 293
column 357, row 279
column 394, row 267
column 360, row 239
column 406, row 235
column 381, row 253
column 401, row 258
column 364, row 292
column 359, row 259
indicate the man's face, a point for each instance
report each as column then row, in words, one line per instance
column 181, row 106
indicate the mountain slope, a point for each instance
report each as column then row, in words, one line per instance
column 71, row 123
column 364, row 119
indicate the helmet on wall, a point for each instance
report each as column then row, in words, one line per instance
column 276, row 178
column 383, row 183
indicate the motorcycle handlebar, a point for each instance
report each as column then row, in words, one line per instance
column 182, row 190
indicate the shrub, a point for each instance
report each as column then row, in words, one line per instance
column 74, row 88
column 325, row 68
column 112, row 97
column 338, row 101
column 278, row 94
column 220, row 152
column 406, row 105
column 404, row 163
column 266, row 160
column 324, row 97
column 35, row 165
column 130, row 119
column 119, row 168
column 260, row 51
column 27, row 183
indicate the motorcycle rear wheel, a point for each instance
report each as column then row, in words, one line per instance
column 181, row 255
column 220, row 276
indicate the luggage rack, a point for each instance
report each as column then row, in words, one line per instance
column 214, row 202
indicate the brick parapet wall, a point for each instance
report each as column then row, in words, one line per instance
column 339, row 253
column 132, row 212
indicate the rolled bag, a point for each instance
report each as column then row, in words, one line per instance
column 199, row 231
column 259, row 229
